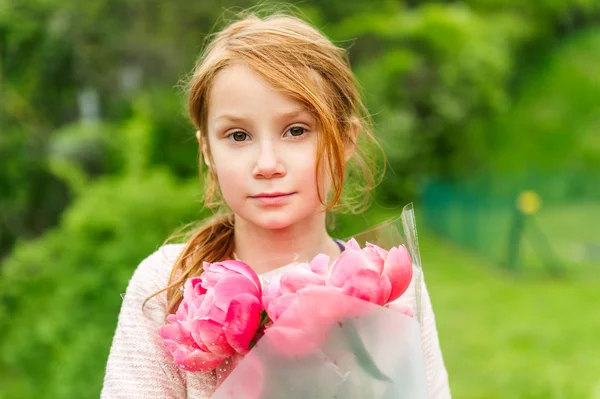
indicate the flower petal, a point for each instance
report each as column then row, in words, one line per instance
column 272, row 291
column 366, row 285
column 380, row 251
column 376, row 255
column 196, row 360
column 228, row 267
column 346, row 265
column 243, row 319
column 398, row 268
column 279, row 305
column 386, row 289
column 177, row 333
column 212, row 274
column 208, row 310
column 320, row 265
column 299, row 278
column 185, row 351
column 192, row 287
column 352, row 244
column 181, row 314
column 211, row 334
column 231, row 285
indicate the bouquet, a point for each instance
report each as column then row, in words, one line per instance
column 349, row 330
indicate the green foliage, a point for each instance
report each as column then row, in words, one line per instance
column 59, row 294
column 31, row 197
column 434, row 71
column 557, row 110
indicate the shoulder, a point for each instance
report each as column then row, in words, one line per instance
column 152, row 274
column 160, row 262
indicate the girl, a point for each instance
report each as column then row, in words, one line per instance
column 279, row 122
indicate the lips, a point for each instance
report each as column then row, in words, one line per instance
column 267, row 199
column 271, row 195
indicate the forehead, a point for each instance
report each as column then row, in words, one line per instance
column 238, row 89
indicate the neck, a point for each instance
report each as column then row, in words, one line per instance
column 268, row 249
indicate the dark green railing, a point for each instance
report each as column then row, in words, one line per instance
column 549, row 221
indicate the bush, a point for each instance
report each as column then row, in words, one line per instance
column 60, row 294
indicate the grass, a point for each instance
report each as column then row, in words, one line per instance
column 505, row 336
column 573, row 230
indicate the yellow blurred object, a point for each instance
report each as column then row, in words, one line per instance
column 529, row 202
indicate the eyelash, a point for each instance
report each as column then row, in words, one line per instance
column 230, row 135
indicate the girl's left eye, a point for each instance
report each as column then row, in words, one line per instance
column 296, row 131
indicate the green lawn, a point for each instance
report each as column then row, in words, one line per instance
column 573, row 230
column 505, row 336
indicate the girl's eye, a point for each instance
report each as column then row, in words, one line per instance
column 238, row 136
column 296, row 131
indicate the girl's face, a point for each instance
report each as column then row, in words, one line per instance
column 263, row 146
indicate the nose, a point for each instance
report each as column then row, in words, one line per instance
column 268, row 164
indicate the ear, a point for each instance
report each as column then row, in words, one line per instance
column 204, row 149
column 353, row 136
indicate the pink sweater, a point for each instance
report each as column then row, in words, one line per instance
column 139, row 366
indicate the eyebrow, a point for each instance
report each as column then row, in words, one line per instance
column 280, row 116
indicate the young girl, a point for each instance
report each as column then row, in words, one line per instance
column 279, row 123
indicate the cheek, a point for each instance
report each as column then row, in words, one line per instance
column 314, row 184
column 230, row 178
column 304, row 165
column 230, row 175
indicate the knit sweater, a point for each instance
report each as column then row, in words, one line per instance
column 139, row 366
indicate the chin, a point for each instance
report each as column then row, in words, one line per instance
column 272, row 220
column 273, row 223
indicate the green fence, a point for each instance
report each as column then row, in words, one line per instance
column 530, row 221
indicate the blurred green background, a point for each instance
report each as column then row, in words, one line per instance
column 489, row 111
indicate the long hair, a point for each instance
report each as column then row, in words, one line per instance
column 295, row 58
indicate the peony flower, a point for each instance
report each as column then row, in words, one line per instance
column 177, row 336
column 217, row 318
column 230, row 313
column 281, row 291
column 372, row 273
column 306, row 323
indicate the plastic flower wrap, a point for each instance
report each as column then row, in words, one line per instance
column 349, row 330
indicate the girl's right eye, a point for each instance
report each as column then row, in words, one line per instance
column 238, row 136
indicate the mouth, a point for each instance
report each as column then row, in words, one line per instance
column 271, row 195
column 272, row 198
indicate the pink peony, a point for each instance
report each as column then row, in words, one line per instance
column 281, row 291
column 372, row 273
column 220, row 313
column 307, row 323
column 305, row 302
column 217, row 318
column 177, row 336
